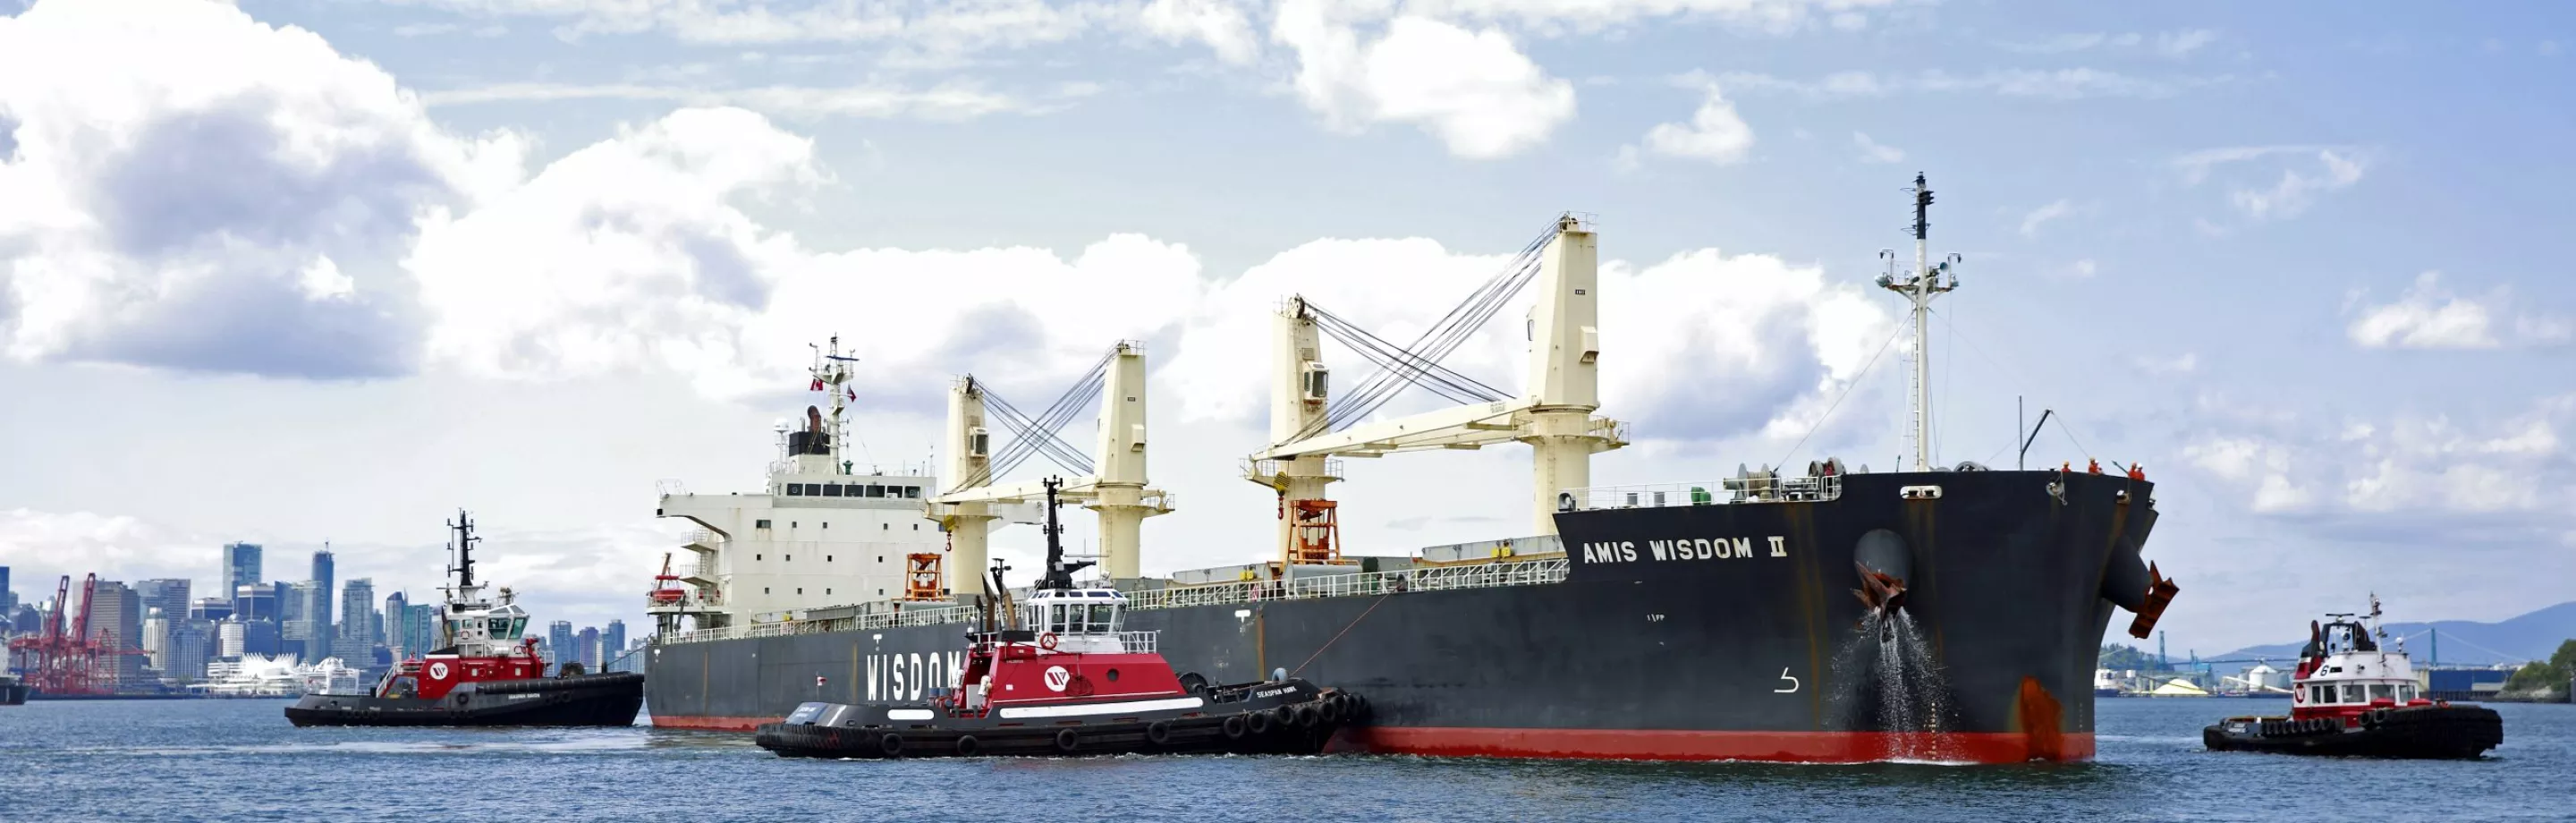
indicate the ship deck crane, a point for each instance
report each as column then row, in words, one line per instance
column 1553, row 414
column 1114, row 484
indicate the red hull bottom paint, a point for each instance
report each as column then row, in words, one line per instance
column 1606, row 744
column 1778, row 747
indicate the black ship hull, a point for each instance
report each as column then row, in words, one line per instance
column 2428, row 732
column 15, row 693
column 1293, row 717
column 1685, row 632
column 585, row 700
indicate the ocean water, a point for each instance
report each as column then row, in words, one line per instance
column 228, row 760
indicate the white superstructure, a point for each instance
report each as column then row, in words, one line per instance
column 821, row 533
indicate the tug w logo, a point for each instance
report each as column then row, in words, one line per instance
column 1057, row 678
column 437, row 671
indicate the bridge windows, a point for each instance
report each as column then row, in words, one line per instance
column 831, row 490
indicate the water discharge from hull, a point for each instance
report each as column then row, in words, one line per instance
column 1894, row 685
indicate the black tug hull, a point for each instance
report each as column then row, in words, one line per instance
column 583, row 700
column 2424, row 732
column 1638, row 653
column 1292, row 717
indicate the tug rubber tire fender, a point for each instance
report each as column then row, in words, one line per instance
column 1331, row 712
column 1233, row 727
column 891, row 744
column 1158, row 732
column 1283, row 718
column 1067, row 742
column 1307, row 715
column 967, row 745
column 1255, row 722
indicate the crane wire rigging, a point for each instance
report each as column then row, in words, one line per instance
column 1411, row 364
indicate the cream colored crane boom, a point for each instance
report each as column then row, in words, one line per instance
column 1553, row 415
column 1116, row 491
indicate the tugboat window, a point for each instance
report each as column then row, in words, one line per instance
column 1102, row 616
column 2351, row 693
column 2383, row 691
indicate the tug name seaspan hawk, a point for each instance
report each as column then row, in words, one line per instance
column 1674, row 622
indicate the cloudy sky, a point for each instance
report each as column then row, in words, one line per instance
column 302, row 270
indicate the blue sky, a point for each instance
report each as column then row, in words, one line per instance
column 316, row 270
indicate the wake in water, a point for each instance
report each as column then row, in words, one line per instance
column 1893, row 685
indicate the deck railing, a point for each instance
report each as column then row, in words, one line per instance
column 1356, row 584
column 1729, row 491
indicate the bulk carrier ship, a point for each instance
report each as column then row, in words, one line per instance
column 1684, row 621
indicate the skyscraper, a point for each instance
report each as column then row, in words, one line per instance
column 612, row 642
column 8, row 598
column 588, row 644
column 398, row 625
column 241, row 567
column 355, row 641
column 116, row 619
column 559, row 648
column 211, row 609
column 168, row 594
column 421, row 631
column 308, row 638
column 320, row 610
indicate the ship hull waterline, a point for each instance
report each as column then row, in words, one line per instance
column 1708, row 632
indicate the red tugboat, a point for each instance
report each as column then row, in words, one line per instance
column 2352, row 698
column 484, row 674
column 1056, row 676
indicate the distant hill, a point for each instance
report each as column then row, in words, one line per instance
column 2528, row 637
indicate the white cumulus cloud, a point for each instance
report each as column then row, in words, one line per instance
column 2429, row 316
column 1474, row 90
column 194, row 189
column 1715, row 132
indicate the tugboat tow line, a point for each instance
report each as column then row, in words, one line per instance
column 1337, row 636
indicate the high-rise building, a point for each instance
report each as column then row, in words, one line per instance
column 8, row 597
column 241, row 566
column 356, row 640
column 291, row 601
column 559, row 648
column 26, row 619
column 397, row 624
column 185, row 652
column 232, row 639
column 612, row 642
column 211, row 609
column 170, row 595
column 320, row 610
column 257, row 601
column 308, row 638
column 421, row 631
column 588, row 644
column 156, row 636
column 263, row 636
column 116, row 620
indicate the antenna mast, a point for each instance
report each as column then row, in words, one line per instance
column 1924, row 282
column 831, row 373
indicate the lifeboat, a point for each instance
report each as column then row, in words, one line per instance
column 485, row 673
column 2352, row 698
column 1059, row 676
